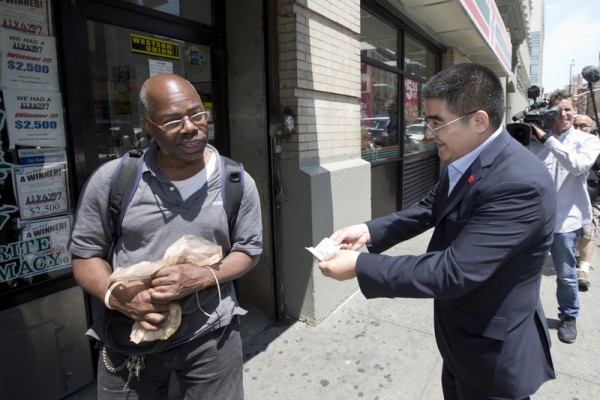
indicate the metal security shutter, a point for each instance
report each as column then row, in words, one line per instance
column 419, row 177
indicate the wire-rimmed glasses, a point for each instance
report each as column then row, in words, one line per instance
column 177, row 125
column 435, row 130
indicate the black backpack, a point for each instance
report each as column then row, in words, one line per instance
column 129, row 172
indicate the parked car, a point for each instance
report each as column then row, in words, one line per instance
column 375, row 127
column 414, row 133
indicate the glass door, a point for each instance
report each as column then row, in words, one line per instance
column 121, row 60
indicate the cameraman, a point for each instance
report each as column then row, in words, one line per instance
column 568, row 154
column 586, row 243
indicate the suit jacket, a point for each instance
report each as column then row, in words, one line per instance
column 483, row 267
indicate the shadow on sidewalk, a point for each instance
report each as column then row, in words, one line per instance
column 258, row 330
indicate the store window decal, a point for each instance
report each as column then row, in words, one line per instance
column 154, row 47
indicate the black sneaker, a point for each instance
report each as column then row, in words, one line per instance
column 567, row 331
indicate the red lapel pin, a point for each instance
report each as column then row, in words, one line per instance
column 470, row 179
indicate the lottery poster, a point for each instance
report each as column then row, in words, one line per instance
column 34, row 19
column 41, row 190
column 34, row 118
column 28, row 61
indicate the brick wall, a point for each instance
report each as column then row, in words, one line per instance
column 319, row 63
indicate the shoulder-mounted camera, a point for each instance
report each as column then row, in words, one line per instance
column 539, row 113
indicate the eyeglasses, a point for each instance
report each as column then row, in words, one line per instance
column 435, row 130
column 177, row 125
column 581, row 126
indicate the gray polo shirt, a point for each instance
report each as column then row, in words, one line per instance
column 157, row 217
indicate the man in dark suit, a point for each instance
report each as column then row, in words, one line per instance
column 493, row 214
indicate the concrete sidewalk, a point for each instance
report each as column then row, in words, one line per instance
column 385, row 349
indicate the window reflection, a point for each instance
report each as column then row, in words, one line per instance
column 414, row 126
column 119, row 68
column 379, row 114
column 378, row 40
column 418, row 60
column 391, row 102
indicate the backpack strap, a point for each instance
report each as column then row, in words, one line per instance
column 123, row 186
column 129, row 172
column 232, row 188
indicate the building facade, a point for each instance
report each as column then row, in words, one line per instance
column 320, row 100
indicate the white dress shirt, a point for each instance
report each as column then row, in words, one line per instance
column 568, row 158
column 457, row 168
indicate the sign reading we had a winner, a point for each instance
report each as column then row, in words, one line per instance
column 28, row 61
column 34, row 118
column 42, row 190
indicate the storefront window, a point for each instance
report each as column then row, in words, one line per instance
column 194, row 10
column 419, row 65
column 122, row 59
column 419, row 61
column 378, row 40
column 379, row 114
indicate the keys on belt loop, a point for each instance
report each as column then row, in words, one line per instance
column 135, row 365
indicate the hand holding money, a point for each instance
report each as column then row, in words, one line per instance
column 340, row 265
column 352, row 237
column 324, row 248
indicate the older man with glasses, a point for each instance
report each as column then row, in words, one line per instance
column 179, row 193
column 585, row 123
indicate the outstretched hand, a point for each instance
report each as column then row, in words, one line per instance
column 352, row 237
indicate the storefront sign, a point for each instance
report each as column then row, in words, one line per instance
column 34, row 118
column 154, row 47
column 28, row 61
column 41, row 190
column 42, row 248
column 488, row 20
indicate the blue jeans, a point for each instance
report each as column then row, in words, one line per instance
column 567, row 290
column 210, row 367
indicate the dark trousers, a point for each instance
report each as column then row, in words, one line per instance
column 456, row 390
column 210, row 367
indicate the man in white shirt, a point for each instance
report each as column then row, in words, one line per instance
column 586, row 245
column 568, row 154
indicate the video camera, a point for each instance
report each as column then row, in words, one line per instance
column 538, row 113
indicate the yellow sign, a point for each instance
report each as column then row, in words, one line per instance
column 154, row 47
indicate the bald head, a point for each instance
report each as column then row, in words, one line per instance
column 584, row 123
column 158, row 85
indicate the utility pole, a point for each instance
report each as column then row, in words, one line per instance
column 571, row 74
